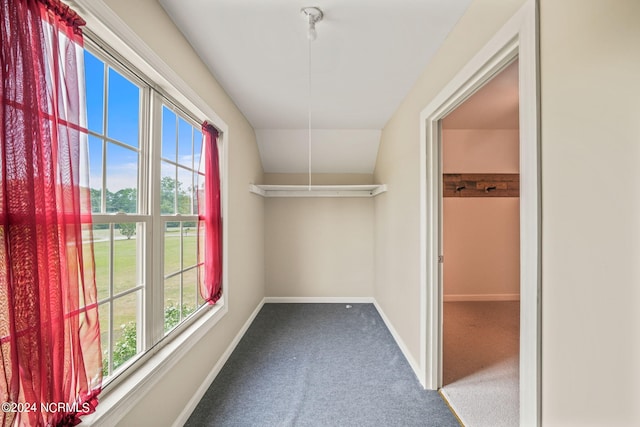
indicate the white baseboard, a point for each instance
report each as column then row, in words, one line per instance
column 318, row 300
column 481, row 297
column 195, row 399
column 417, row 370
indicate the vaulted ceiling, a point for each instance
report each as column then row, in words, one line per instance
column 367, row 56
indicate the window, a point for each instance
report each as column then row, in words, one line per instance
column 180, row 179
column 144, row 177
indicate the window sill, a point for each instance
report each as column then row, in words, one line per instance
column 117, row 400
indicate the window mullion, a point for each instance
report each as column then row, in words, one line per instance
column 154, row 316
column 111, row 322
column 175, row 176
column 181, row 277
column 143, row 268
column 105, row 99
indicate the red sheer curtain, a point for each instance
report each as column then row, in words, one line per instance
column 51, row 368
column 210, row 218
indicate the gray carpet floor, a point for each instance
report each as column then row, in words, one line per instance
column 319, row 365
column 481, row 362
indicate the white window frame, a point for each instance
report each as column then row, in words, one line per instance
column 160, row 219
column 124, row 392
column 142, row 216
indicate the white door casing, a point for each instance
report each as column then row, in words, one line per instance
column 517, row 38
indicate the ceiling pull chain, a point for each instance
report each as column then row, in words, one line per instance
column 309, row 107
column 313, row 15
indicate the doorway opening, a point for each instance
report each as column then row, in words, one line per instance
column 518, row 38
column 481, row 247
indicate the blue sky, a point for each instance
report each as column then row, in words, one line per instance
column 123, row 113
column 123, row 116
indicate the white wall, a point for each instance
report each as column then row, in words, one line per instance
column 590, row 156
column 319, row 247
column 480, row 150
column 246, row 216
column 481, row 242
column 397, row 212
column 590, row 65
column 481, row 248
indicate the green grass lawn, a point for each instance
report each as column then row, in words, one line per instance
column 125, row 274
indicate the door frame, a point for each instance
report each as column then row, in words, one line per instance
column 517, row 38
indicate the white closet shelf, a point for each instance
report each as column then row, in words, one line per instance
column 371, row 190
